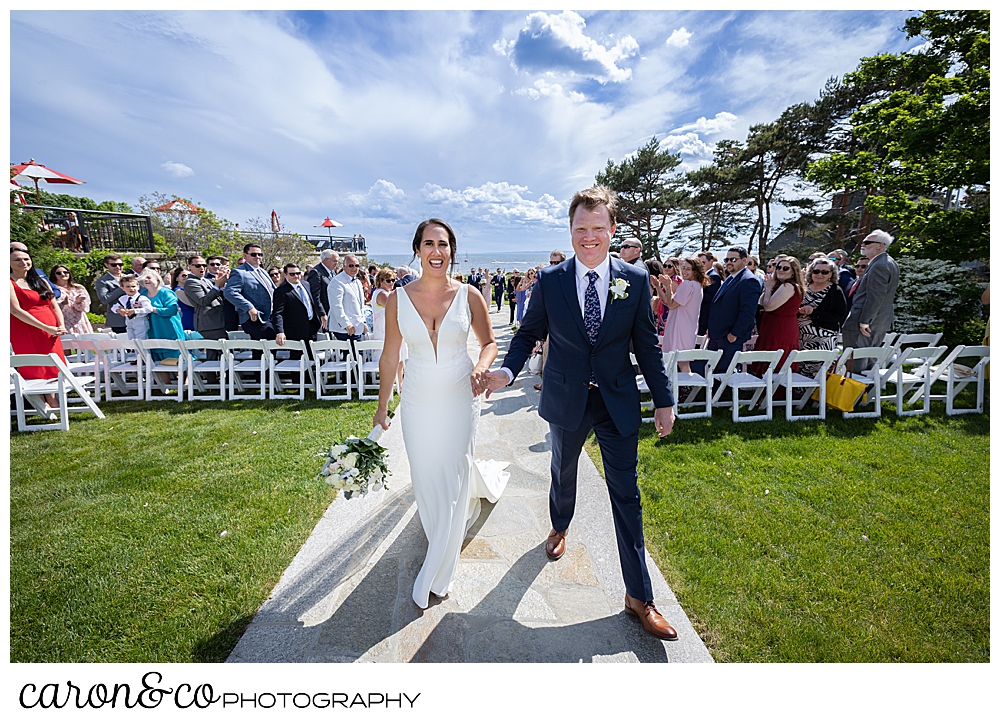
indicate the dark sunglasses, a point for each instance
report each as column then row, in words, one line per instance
column 869, row 243
column 732, row 259
column 291, row 273
column 256, row 255
column 119, row 264
column 821, row 272
column 62, row 273
column 351, row 266
column 215, row 263
column 199, row 266
column 154, row 268
column 784, row 268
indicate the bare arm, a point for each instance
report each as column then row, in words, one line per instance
column 986, row 296
column 388, row 362
column 771, row 301
column 487, row 342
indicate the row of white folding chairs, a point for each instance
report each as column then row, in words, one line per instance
column 914, row 371
column 33, row 391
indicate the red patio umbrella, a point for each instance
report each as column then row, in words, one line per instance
column 35, row 171
column 275, row 223
column 179, row 205
column 329, row 224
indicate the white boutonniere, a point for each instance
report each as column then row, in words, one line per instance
column 619, row 289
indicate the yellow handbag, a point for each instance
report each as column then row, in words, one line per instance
column 841, row 392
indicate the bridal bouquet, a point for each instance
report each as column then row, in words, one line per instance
column 356, row 465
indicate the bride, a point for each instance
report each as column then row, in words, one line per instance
column 439, row 404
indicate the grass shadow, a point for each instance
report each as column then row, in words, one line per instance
column 216, row 649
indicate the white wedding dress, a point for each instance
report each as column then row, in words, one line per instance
column 439, row 417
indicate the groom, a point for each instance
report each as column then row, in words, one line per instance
column 592, row 307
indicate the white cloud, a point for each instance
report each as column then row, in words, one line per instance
column 722, row 121
column 553, row 43
column 679, row 38
column 498, row 204
column 543, row 88
column 177, row 170
column 687, row 144
column 383, row 199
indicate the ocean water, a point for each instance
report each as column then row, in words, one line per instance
column 506, row 260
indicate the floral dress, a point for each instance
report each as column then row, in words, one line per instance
column 75, row 303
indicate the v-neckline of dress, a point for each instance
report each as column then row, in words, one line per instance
column 427, row 329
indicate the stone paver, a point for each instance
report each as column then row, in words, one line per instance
column 346, row 595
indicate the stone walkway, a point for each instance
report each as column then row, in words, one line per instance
column 346, row 595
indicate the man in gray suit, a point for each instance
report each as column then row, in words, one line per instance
column 318, row 278
column 109, row 291
column 205, row 295
column 871, row 314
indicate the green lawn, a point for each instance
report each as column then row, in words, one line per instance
column 117, row 551
column 844, row 540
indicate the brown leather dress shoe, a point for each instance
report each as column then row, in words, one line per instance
column 555, row 544
column 652, row 622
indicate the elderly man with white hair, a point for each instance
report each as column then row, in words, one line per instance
column 871, row 314
column 347, row 303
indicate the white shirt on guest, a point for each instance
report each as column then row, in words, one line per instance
column 603, row 282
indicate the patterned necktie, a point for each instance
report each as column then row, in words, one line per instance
column 128, row 302
column 592, row 308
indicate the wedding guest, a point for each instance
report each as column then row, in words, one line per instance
column 276, row 276
column 684, row 301
column 781, row 299
column 164, row 316
column 498, row 282
column 347, row 319
column 822, row 313
column 109, row 290
column 707, row 259
column 859, row 269
column 631, row 252
column 205, row 295
column 731, row 321
column 36, row 321
column 133, row 307
column 319, row 282
column 522, row 293
column 513, row 281
column 218, row 266
column 175, row 280
column 845, row 274
column 138, row 262
column 18, row 246
column 250, row 290
column 295, row 317
column 872, row 311
column 752, row 264
column 404, row 276
column 74, row 301
column 660, row 309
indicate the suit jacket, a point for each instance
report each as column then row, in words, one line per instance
column 734, row 307
column 290, row 315
column 706, row 299
column 108, row 292
column 245, row 290
column 407, row 278
column 347, row 307
column 206, row 298
column 872, row 300
column 319, row 278
column 555, row 312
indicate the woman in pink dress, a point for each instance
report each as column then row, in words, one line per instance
column 684, row 302
column 74, row 301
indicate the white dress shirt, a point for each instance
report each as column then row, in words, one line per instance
column 603, row 282
column 300, row 291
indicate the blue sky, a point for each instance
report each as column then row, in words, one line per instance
column 488, row 119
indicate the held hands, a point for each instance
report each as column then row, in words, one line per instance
column 480, row 382
column 663, row 419
column 494, row 381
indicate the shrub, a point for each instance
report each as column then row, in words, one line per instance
column 938, row 296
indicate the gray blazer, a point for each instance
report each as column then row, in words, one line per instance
column 108, row 292
column 871, row 302
column 206, row 298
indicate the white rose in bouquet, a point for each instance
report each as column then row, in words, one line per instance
column 338, row 449
column 350, row 461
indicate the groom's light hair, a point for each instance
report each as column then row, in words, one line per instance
column 593, row 197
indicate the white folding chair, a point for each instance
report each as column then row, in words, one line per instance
column 82, row 359
column 120, row 359
column 245, row 372
column 877, row 356
column 302, row 366
column 366, row 356
column 640, row 382
column 958, row 376
column 62, row 385
column 737, row 380
column 912, row 371
column 692, row 381
column 333, row 357
column 792, row 380
column 158, row 368
column 198, row 388
column 238, row 335
column 911, row 340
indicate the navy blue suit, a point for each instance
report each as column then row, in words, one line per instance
column 734, row 310
column 572, row 407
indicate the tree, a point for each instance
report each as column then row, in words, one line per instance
column 648, row 192
column 278, row 248
column 922, row 144
column 186, row 231
column 716, row 208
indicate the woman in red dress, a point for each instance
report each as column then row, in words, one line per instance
column 781, row 298
column 36, row 321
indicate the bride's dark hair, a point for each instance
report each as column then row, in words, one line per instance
column 419, row 236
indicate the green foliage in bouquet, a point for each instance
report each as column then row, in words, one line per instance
column 355, row 465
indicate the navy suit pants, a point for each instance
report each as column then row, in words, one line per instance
column 620, row 456
column 728, row 352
